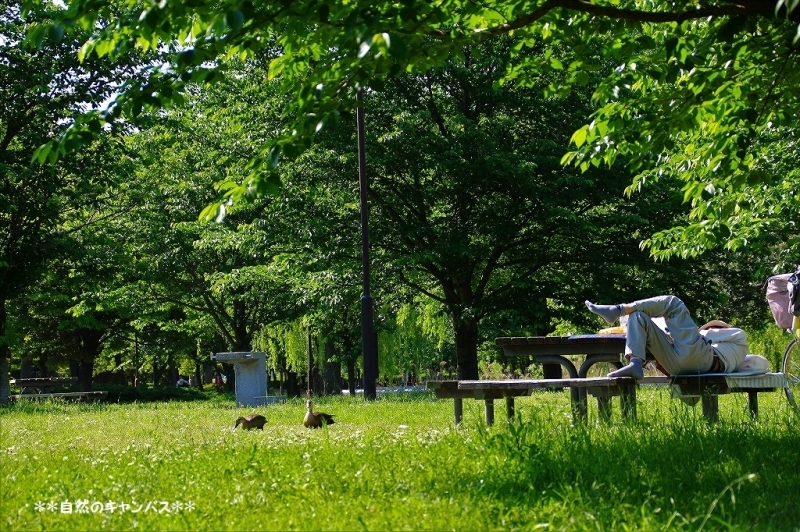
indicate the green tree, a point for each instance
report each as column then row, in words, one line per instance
column 234, row 277
column 40, row 91
column 695, row 92
column 471, row 207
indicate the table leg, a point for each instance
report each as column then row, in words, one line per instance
column 604, row 408
column 752, row 400
column 711, row 407
column 510, row 406
column 627, row 402
column 577, row 396
column 580, row 408
column 489, row 412
column 583, row 372
column 459, row 408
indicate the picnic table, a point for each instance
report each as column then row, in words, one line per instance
column 42, row 384
column 41, row 388
column 553, row 350
column 597, row 348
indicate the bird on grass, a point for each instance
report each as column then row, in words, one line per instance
column 253, row 421
column 315, row 420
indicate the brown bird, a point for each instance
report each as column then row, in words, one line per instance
column 316, row 420
column 253, row 421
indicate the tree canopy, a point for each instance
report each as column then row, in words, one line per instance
column 479, row 230
column 698, row 91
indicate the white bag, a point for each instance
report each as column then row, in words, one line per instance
column 754, row 365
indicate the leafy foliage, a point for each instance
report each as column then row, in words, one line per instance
column 694, row 88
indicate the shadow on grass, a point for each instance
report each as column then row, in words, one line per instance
column 686, row 470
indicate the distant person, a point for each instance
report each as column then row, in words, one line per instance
column 683, row 349
column 218, row 380
column 182, row 382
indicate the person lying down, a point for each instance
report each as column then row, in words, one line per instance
column 685, row 349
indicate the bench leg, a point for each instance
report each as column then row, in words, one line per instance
column 752, row 400
column 510, row 407
column 711, row 407
column 458, row 407
column 489, row 412
column 627, row 402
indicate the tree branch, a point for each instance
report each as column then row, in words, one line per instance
column 743, row 7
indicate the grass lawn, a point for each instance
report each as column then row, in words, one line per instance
column 399, row 463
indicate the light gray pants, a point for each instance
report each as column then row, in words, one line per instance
column 684, row 351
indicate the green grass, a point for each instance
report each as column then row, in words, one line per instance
column 399, row 463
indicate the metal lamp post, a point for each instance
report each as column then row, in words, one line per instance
column 368, row 338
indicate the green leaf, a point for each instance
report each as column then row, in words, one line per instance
column 40, row 155
column 579, row 137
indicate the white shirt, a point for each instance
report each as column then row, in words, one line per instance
column 730, row 344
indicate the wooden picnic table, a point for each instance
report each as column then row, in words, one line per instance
column 40, row 388
column 40, row 385
column 552, row 350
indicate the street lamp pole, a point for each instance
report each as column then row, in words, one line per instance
column 368, row 338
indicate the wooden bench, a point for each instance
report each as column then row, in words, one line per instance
column 707, row 388
column 64, row 395
column 602, row 388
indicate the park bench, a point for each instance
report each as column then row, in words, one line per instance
column 706, row 388
column 64, row 395
column 602, row 388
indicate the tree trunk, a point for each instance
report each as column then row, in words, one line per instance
column 158, row 373
column 466, row 331
column 292, row 387
column 333, row 378
column 5, row 385
column 43, row 372
column 26, row 368
column 85, row 375
column 172, row 371
column 230, row 381
column 119, row 370
column 198, row 375
column 351, row 376
column 310, row 377
column 332, row 372
column 5, row 354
